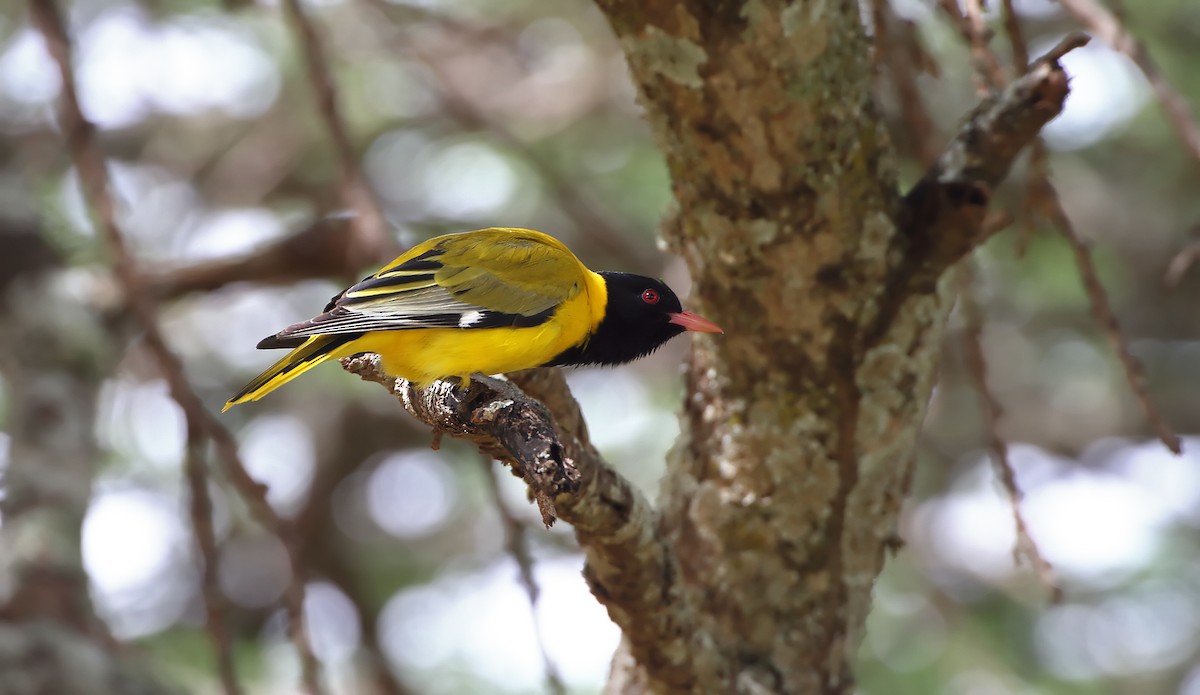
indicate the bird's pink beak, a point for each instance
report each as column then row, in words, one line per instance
column 693, row 322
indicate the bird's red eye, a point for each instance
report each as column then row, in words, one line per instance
column 650, row 297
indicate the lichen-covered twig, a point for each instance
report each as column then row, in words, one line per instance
column 944, row 213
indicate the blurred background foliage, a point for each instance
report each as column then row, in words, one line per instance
column 468, row 113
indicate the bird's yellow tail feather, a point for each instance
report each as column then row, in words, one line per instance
column 312, row 352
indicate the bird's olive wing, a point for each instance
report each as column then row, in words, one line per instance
column 480, row 280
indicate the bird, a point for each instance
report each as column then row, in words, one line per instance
column 487, row 301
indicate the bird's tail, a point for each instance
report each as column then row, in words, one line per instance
column 309, row 354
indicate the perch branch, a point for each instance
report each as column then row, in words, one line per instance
column 93, row 176
column 628, row 566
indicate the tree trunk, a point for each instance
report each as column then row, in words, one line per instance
column 783, row 492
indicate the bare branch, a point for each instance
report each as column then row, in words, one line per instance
column 370, row 224
column 1108, row 27
column 517, row 546
column 600, row 225
column 629, row 568
column 93, row 176
column 200, row 506
column 988, row 73
column 327, row 248
column 897, row 45
column 992, row 411
column 1181, row 263
column 1016, row 38
column 1104, row 316
column 1043, row 197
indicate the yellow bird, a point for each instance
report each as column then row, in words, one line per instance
column 488, row 301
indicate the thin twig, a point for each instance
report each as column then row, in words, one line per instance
column 880, row 9
column 370, row 225
column 215, row 604
column 1016, row 38
column 1181, row 263
column 319, row 250
column 516, row 543
column 601, row 226
column 1103, row 314
column 93, row 177
column 1025, row 546
column 1037, row 154
column 897, row 45
column 1103, row 23
column 1043, row 197
column 989, row 76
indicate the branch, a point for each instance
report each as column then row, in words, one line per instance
column 1180, row 263
column 975, row 32
column 629, row 569
column 369, row 225
column 943, row 214
column 328, row 248
column 1102, row 312
column 1107, row 26
column 93, row 176
column 215, row 605
column 977, row 366
column 898, row 46
column 516, row 544
column 601, row 226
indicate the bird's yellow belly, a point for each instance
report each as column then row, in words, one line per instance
column 425, row 355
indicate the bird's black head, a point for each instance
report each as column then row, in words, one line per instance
column 642, row 314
